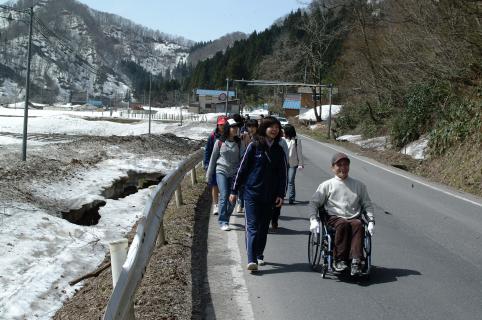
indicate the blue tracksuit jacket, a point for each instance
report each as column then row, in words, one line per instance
column 262, row 172
column 210, row 146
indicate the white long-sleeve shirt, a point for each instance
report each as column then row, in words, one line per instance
column 295, row 152
column 343, row 198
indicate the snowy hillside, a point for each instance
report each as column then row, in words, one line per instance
column 77, row 49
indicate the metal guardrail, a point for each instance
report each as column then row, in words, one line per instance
column 149, row 227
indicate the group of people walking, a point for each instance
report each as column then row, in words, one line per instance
column 255, row 165
column 252, row 163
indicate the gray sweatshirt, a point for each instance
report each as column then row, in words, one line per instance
column 344, row 198
column 224, row 160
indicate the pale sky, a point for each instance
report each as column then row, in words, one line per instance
column 200, row 20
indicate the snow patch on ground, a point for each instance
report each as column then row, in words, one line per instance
column 309, row 115
column 416, row 149
column 377, row 143
column 41, row 253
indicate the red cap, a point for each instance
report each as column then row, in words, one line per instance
column 222, row 120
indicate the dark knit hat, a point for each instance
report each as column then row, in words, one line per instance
column 338, row 156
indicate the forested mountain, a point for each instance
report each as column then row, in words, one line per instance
column 77, row 49
column 402, row 67
column 204, row 50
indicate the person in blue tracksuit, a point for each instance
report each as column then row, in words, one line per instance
column 262, row 172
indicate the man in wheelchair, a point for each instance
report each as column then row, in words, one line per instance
column 343, row 200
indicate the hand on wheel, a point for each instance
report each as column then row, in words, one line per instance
column 371, row 227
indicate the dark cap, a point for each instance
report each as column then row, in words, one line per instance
column 338, row 156
column 233, row 123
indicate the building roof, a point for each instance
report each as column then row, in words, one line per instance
column 213, row 93
column 292, row 101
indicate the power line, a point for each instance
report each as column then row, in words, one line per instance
column 60, row 40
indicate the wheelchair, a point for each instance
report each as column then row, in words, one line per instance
column 321, row 246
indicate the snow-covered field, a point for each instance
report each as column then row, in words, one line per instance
column 76, row 123
column 40, row 253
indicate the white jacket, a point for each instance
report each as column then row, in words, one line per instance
column 295, row 152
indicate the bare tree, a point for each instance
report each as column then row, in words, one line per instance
column 323, row 32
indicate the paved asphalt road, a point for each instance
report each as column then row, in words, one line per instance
column 427, row 252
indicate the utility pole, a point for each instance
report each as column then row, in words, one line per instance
column 150, row 87
column 27, row 88
column 227, row 95
column 330, row 93
column 180, row 107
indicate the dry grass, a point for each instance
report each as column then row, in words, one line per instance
column 170, row 289
column 459, row 168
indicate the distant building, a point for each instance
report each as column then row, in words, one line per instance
column 95, row 103
column 306, row 94
column 214, row 101
column 292, row 105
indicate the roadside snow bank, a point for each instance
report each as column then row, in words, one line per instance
column 416, row 149
column 377, row 143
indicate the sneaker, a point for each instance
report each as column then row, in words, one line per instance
column 340, row 266
column 215, row 209
column 274, row 226
column 355, row 268
column 225, row 227
column 261, row 262
column 252, row 266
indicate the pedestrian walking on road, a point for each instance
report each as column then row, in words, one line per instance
column 295, row 159
column 276, row 212
column 262, row 172
column 224, row 163
column 251, row 126
column 215, row 135
column 344, row 200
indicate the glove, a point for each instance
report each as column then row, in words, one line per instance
column 314, row 224
column 300, row 167
column 371, row 227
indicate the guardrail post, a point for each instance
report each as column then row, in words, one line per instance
column 118, row 255
column 179, row 197
column 161, row 236
column 193, row 176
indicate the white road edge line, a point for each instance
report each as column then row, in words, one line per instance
column 398, row 173
column 240, row 288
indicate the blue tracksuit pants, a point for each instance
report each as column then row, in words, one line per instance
column 257, row 217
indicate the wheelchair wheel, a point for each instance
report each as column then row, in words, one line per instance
column 367, row 249
column 314, row 243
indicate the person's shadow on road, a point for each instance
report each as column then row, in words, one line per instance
column 272, row 268
column 283, row 230
column 378, row 275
